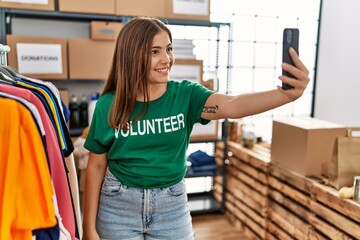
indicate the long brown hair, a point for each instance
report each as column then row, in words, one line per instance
column 130, row 68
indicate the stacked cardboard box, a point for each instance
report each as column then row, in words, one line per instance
column 304, row 144
column 38, row 57
column 47, row 5
column 106, row 7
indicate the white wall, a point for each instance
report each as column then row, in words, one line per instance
column 337, row 96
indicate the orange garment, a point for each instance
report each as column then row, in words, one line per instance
column 25, row 185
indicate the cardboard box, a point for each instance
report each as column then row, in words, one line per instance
column 189, row 69
column 64, row 94
column 304, row 145
column 88, row 6
column 101, row 30
column 188, row 9
column 206, row 132
column 32, row 5
column 38, row 57
column 153, row 8
column 90, row 59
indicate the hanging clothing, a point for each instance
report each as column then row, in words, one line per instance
column 61, row 126
column 56, row 160
column 26, row 189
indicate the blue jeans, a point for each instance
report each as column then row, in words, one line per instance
column 143, row 214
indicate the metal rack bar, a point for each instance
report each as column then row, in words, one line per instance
column 2, row 26
column 86, row 17
column 4, row 49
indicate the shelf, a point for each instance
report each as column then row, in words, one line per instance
column 88, row 16
column 75, row 132
column 206, row 140
column 56, row 15
column 203, row 203
column 202, row 174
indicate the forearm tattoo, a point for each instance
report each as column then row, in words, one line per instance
column 210, row 109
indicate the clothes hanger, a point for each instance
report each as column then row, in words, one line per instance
column 6, row 74
column 13, row 71
column 5, row 79
column 9, row 70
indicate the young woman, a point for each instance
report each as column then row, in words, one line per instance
column 140, row 133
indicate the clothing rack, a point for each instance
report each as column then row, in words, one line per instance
column 4, row 50
column 37, row 114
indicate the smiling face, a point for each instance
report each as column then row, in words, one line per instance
column 162, row 58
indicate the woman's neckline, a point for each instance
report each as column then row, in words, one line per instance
column 158, row 98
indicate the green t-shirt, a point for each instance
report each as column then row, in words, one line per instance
column 152, row 153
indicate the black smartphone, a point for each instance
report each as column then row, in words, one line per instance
column 290, row 39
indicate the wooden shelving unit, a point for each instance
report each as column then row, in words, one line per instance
column 268, row 201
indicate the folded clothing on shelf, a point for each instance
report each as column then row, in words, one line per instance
column 200, row 158
column 206, row 168
column 201, row 162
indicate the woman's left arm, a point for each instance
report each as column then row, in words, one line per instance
column 220, row 106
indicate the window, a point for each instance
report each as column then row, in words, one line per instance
column 256, row 49
column 248, row 56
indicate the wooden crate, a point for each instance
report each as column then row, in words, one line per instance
column 268, row 201
column 318, row 205
column 218, row 188
column 290, row 200
column 246, row 201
